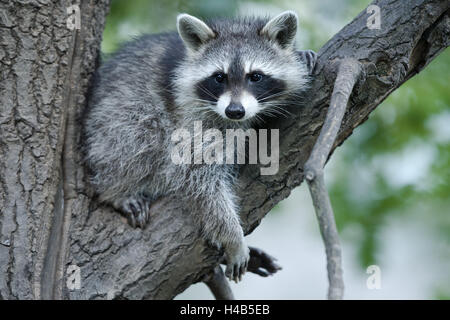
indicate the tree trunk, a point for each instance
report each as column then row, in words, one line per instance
column 52, row 230
column 45, row 68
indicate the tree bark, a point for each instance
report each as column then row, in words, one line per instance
column 45, row 68
column 50, row 223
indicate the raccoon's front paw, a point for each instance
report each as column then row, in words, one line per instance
column 135, row 209
column 237, row 258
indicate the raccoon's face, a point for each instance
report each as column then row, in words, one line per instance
column 238, row 92
column 240, row 69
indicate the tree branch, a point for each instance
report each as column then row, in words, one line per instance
column 349, row 71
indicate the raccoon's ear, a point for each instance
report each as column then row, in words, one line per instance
column 193, row 31
column 282, row 28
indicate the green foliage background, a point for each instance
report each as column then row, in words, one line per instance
column 414, row 119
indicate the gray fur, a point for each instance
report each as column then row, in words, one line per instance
column 147, row 90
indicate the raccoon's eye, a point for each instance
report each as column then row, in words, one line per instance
column 255, row 77
column 220, row 77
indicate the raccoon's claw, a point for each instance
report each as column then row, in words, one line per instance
column 237, row 262
column 137, row 211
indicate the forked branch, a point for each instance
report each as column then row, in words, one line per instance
column 347, row 76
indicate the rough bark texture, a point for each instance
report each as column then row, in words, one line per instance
column 48, row 219
column 44, row 68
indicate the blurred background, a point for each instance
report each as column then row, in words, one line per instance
column 389, row 182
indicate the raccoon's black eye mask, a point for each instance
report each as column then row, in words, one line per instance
column 262, row 86
column 212, row 87
column 220, row 77
column 256, row 76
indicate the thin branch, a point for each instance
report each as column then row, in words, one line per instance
column 219, row 286
column 348, row 74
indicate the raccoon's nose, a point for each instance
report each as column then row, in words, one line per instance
column 235, row 111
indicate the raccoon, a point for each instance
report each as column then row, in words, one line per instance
column 224, row 72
